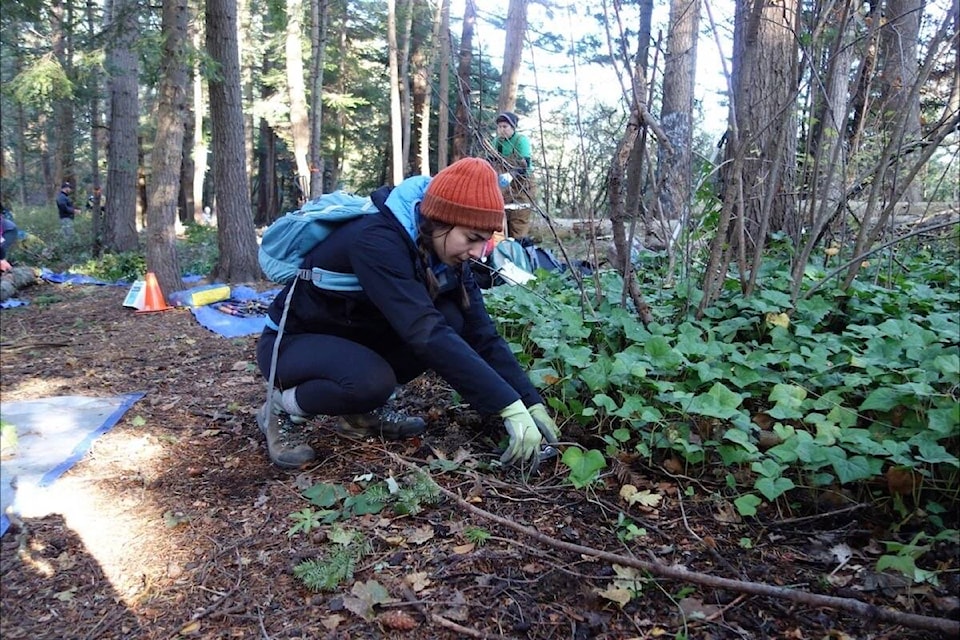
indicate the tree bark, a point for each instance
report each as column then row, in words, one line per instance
column 405, row 82
column 319, row 32
column 268, row 205
column 899, row 42
column 765, row 83
column 461, row 130
column 163, row 188
column 120, row 221
column 296, row 93
column 396, row 123
column 96, row 213
column 516, row 30
column 676, row 116
column 443, row 110
column 63, row 136
column 199, row 142
column 235, row 235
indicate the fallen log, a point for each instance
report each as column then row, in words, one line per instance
column 16, row 279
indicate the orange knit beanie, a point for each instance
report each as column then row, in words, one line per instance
column 465, row 194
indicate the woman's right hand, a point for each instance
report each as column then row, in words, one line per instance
column 524, row 436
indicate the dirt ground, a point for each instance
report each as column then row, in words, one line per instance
column 175, row 524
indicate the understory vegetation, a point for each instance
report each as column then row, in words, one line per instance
column 853, row 393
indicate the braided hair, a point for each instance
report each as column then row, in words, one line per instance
column 427, row 228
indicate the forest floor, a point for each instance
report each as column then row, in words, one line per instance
column 175, row 524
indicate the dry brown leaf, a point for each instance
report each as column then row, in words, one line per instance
column 331, row 622
column 418, row 581
column 903, row 481
column 673, row 465
column 420, row 534
column 190, row 629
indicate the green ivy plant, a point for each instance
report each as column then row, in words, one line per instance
column 838, row 386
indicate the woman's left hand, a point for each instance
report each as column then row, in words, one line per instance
column 545, row 424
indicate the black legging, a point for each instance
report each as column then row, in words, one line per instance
column 336, row 376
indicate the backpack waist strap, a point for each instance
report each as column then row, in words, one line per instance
column 330, row 280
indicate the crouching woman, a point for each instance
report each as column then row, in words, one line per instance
column 343, row 353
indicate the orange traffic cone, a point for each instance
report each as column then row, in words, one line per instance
column 153, row 296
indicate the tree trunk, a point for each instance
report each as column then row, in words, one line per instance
column 828, row 153
column 331, row 175
column 63, row 134
column 120, row 221
column 674, row 179
column 516, row 30
column 461, row 130
column 236, row 239
column 764, row 82
column 404, row 84
column 396, row 124
column 319, row 32
column 899, row 41
column 296, row 92
column 96, row 213
column 163, row 189
column 248, row 61
column 443, row 111
column 185, row 202
column 199, row 143
column 423, row 91
column 633, row 206
column 268, row 205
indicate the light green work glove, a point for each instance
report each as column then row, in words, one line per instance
column 548, row 428
column 524, row 435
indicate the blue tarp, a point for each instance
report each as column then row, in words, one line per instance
column 231, row 326
column 53, row 434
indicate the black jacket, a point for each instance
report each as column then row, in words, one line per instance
column 395, row 308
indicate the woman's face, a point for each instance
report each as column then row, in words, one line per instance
column 456, row 245
column 504, row 130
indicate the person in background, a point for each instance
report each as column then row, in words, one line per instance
column 515, row 160
column 65, row 209
column 343, row 353
column 9, row 234
column 93, row 198
column 4, row 265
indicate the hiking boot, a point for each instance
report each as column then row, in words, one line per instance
column 285, row 441
column 383, row 423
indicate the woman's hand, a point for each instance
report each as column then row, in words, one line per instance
column 548, row 428
column 524, row 435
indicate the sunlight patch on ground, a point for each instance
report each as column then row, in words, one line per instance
column 124, row 534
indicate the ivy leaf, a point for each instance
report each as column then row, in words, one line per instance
column 325, row 495
column 772, row 488
column 934, row 453
column 944, row 421
column 882, row 399
column 788, row 399
column 584, row 467
column 747, row 504
column 719, row 402
column 856, row 468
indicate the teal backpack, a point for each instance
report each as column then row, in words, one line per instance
column 289, row 239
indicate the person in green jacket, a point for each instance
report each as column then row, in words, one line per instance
column 515, row 166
